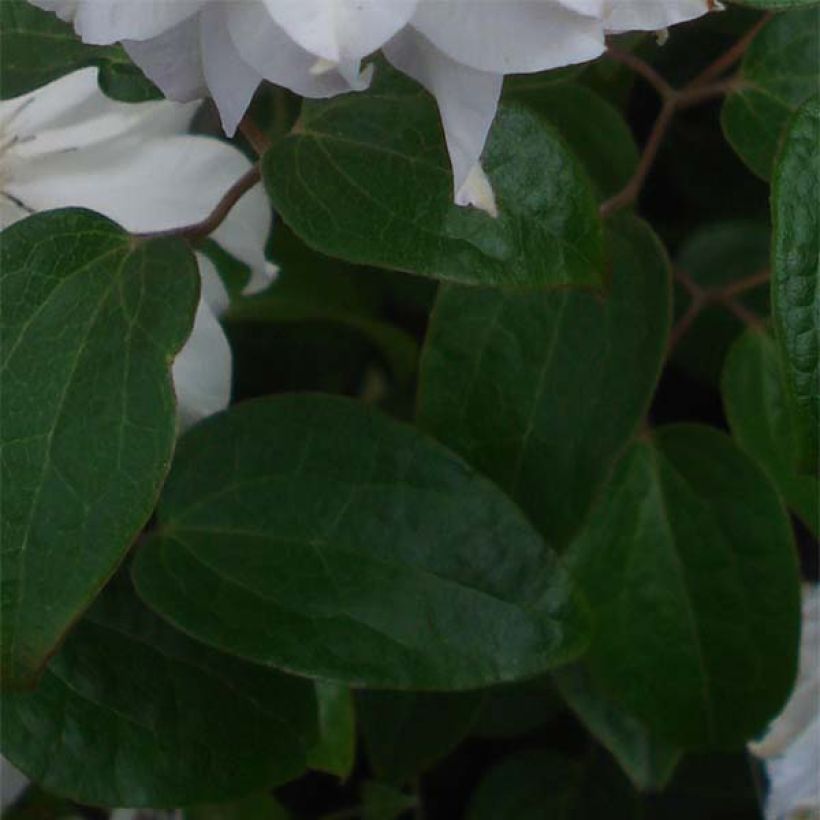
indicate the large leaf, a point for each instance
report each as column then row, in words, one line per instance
column 90, row 322
column 760, row 415
column 335, row 753
column 317, row 535
column 365, row 177
column 594, row 129
column 37, row 47
column 796, row 273
column 541, row 391
column 131, row 712
column 779, row 73
column 689, row 566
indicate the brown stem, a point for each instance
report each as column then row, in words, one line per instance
column 643, row 69
column 631, row 191
column 683, row 325
column 741, row 286
column 257, row 138
column 207, row 226
column 732, row 56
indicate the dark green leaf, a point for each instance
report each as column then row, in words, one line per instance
column 36, row 47
column 90, row 322
column 779, row 73
column 648, row 761
column 755, row 396
column 406, row 732
column 254, row 807
column 365, row 177
column 796, row 274
column 335, row 752
column 382, row 802
column 541, row 391
column 318, row 535
column 540, row 785
column 516, row 709
column 131, row 712
column 689, row 565
column 592, row 127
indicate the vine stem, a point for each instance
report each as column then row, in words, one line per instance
column 199, row 230
column 726, row 296
column 706, row 86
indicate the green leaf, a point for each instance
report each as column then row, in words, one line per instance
column 777, row 5
column 541, row 391
column 383, row 802
column 253, row 807
column 517, row 709
column 366, row 178
column 689, row 564
column 36, row 47
column 755, row 397
column 405, row 733
column 778, row 74
column 91, row 320
column 317, row 535
column 335, row 753
column 594, row 129
column 131, row 712
column 796, row 274
column 714, row 256
column 647, row 760
column 538, row 784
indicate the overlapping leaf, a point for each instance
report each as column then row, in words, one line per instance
column 90, row 322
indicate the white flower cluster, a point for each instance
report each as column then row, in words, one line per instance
column 68, row 145
column 790, row 750
column 460, row 50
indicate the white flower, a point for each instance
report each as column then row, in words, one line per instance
column 68, row 145
column 460, row 50
column 790, row 749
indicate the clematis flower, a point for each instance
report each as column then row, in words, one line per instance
column 460, row 50
column 790, row 750
column 67, row 144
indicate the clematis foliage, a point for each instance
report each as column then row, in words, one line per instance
column 409, row 408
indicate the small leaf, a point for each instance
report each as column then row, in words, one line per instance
column 366, row 178
column 778, row 74
column 796, row 274
column 647, row 760
column 131, row 712
column 383, row 802
column 755, row 396
column 317, row 535
column 254, row 807
column 541, row 391
column 335, row 753
column 36, row 47
column 407, row 732
column 539, row 784
column 690, row 568
column 91, row 320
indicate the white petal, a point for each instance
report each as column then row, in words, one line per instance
column 72, row 113
column 516, row 36
column 794, row 777
column 146, row 186
column 268, row 49
column 103, row 22
column 477, row 192
column 202, row 371
column 467, row 99
column 339, row 30
column 244, row 235
column 173, row 61
column 651, row 15
column 231, row 81
column 12, row 783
